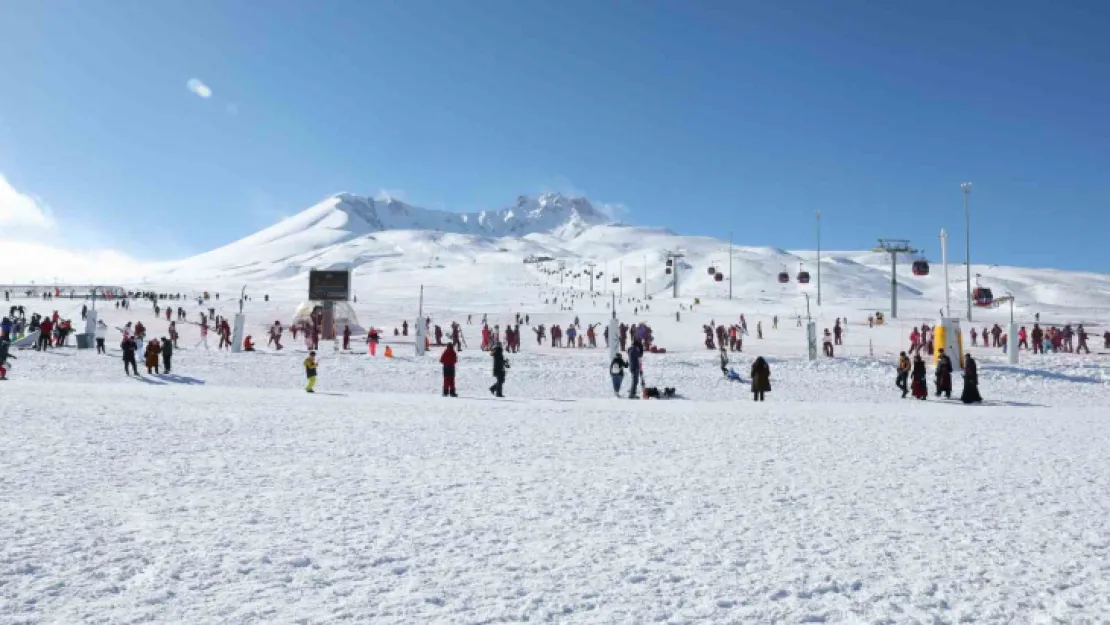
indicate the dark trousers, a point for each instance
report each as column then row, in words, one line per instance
column 498, row 385
column 900, row 382
column 44, row 342
column 130, row 366
column 100, row 346
column 635, row 382
column 618, row 380
column 166, row 358
column 757, row 395
column 448, row 380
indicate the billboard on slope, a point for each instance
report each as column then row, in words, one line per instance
column 329, row 286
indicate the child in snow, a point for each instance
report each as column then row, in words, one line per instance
column 616, row 372
column 448, row 359
column 310, row 371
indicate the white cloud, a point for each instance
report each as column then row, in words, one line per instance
column 20, row 212
column 199, row 88
column 615, row 211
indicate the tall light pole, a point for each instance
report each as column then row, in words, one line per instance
column 730, row 264
column 817, row 213
column 966, row 186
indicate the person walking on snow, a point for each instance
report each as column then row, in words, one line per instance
column 167, row 354
column 372, row 338
column 101, row 331
column 129, row 348
column 837, row 332
column 346, row 337
column 828, row 343
column 903, row 373
column 918, row 387
column 970, row 394
column 761, row 379
column 635, row 365
column 153, row 350
column 449, row 359
column 1081, row 335
column 944, row 375
column 616, row 372
column 499, row 366
column 310, row 372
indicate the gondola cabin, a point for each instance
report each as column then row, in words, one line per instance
column 710, row 271
column 920, row 268
column 668, row 271
column 638, row 281
column 803, row 277
column 670, row 262
column 719, row 277
column 784, row 278
column 616, row 280
column 982, row 296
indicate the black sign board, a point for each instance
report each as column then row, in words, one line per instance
column 329, row 286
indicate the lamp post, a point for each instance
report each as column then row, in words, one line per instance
column 817, row 214
column 966, row 186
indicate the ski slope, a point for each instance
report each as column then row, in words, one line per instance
column 221, row 492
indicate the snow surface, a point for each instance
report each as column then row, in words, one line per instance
column 223, row 493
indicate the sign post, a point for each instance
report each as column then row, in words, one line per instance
column 420, row 330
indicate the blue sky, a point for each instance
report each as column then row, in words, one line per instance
column 703, row 117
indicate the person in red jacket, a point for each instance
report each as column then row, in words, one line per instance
column 448, row 359
column 46, row 330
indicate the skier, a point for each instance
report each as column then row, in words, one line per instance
column 903, row 373
column 761, row 379
column 310, row 372
column 616, row 372
column 449, row 359
column 499, row 366
column 970, row 394
column 944, row 375
column 918, row 388
column 167, row 354
column 635, row 365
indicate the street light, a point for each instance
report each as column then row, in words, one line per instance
column 966, row 186
column 817, row 213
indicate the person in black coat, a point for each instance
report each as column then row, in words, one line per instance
column 167, row 353
column 499, row 366
column 944, row 375
column 917, row 386
column 970, row 393
column 129, row 347
column 761, row 378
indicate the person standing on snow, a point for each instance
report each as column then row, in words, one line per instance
column 101, row 330
column 346, row 337
column 1081, row 335
column 167, row 354
column 5, row 349
column 310, row 372
column 449, row 359
column 903, row 373
column 616, row 372
column 761, row 378
column 129, row 347
column 944, row 375
column 970, row 394
column 499, row 366
column 635, row 365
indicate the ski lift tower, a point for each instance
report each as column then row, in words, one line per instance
column 894, row 247
column 591, row 266
column 674, row 257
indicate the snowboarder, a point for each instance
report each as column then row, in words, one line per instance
column 499, row 366
column 310, row 372
column 449, row 359
column 970, row 394
column 944, row 375
column 761, row 379
column 616, row 372
column 903, row 373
